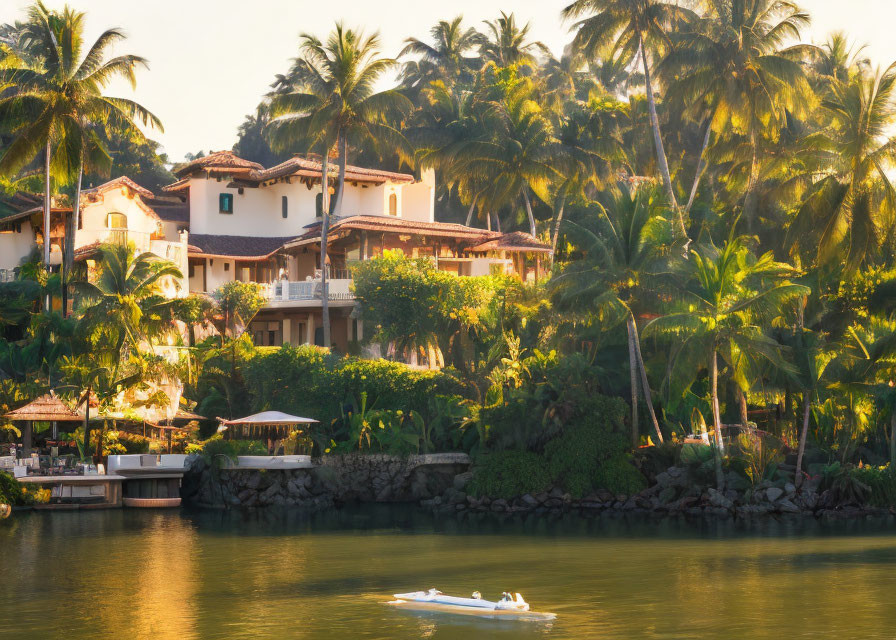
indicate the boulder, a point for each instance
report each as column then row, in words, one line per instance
column 786, row 506
column 718, row 500
column 529, row 500
column 461, row 480
column 790, row 489
column 773, row 493
column 253, row 481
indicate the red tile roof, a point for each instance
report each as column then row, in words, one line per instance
column 242, row 247
column 122, row 181
column 513, row 241
column 310, row 166
column 220, row 161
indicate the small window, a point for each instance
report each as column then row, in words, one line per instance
column 393, row 205
column 226, row 266
column 284, row 206
column 225, row 203
column 319, row 205
column 117, row 221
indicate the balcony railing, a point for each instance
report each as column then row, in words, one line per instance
column 292, row 291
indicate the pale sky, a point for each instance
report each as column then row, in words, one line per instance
column 212, row 60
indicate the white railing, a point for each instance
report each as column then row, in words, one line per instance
column 7, row 275
column 290, row 291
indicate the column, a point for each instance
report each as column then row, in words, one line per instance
column 309, row 329
column 286, row 330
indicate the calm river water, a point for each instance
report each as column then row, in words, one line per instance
column 132, row 574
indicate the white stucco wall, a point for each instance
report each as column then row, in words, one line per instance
column 94, row 216
column 258, row 212
column 14, row 246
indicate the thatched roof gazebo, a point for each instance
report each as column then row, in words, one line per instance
column 270, row 425
column 47, row 408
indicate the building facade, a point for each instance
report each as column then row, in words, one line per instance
column 228, row 219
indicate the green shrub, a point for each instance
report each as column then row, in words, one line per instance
column 575, row 458
column 618, row 475
column 882, row 483
column 508, row 474
column 216, row 447
column 17, row 494
column 309, row 381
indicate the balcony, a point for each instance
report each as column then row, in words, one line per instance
column 308, row 292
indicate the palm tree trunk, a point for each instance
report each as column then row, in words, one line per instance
column 633, row 377
column 87, row 423
column 658, row 143
column 556, row 234
column 742, row 404
column 47, row 211
column 807, row 406
column 893, row 440
column 529, row 209
column 717, row 420
column 488, row 220
column 498, row 223
column 645, row 384
column 71, row 230
column 701, row 164
column 750, row 200
column 324, row 231
column 340, row 186
column 470, row 212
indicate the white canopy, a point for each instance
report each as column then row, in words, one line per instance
column 273, row 418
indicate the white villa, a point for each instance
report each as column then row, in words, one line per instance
column 230, row 219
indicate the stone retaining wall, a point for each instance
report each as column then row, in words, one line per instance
column 332, row 480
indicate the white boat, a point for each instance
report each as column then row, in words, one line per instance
column 509, row 606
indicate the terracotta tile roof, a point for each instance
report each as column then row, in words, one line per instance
column 309, row 167
column 122, row 181
column 513, row 241
column 170, row 209
column 181, row 185
column 222, row 161
column 47, row 408
column 243, row 247
column 389, row 224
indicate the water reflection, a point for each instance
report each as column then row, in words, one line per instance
column 289, row 574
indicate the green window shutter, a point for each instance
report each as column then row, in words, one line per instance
column 225, row 203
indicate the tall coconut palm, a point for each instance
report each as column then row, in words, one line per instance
column 623, row 246
column 328, row 98
column 508, row 44
column 521, row 155
column 850, row 203
column 632, row 29
column 446, row 59
column 736, row 72
column 55, row 99
column 726, row 296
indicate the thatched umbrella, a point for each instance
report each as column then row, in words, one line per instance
column 47, row 408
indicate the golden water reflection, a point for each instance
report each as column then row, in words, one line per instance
column 184, row 575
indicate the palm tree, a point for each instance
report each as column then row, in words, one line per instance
column 55, row 98
column 329, row 97
column 508, row 43
column 631, row 28
column 734, row 71
column 850, row 202
column 727, row 292
column 623, row 261
column 446, row 59
column 520, row 155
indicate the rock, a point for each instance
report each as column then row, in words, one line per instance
column 461, row 480
column 675, row 472
column 245, row 494
column 773, row 493
column 254, row 481
column 604, row 496
column 499, row 505
column 790, row 489
column 663, row 479
column 667, row 495
column 718, row 500
column 529, row 500
column 268, row 494
column 556, row 492
column 786, row 506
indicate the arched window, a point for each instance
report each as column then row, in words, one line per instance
column 393, row 205
column 117, row 221
column 118, row 225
